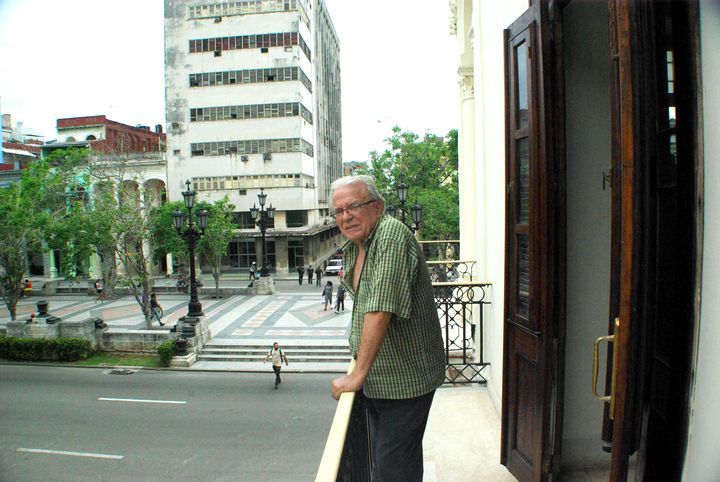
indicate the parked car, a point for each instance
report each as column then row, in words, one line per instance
column 334, row 267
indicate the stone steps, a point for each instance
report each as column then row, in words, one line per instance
column 305, row 353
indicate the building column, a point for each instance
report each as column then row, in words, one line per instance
column 281, row 256
column 94, row 270
column 467, row 168
column 169, row 263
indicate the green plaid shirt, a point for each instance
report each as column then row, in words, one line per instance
column 395, row 279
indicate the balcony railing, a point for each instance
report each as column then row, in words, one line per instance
column 460, row 308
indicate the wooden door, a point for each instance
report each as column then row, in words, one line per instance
column 654, row 132
column 532, row 388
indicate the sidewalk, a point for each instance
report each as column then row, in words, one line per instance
column 294, row 316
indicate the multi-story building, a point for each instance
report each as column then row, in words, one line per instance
column 253, row 101
column 134, row 155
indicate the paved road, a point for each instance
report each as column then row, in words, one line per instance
column 202, row 426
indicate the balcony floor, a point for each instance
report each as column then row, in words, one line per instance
column 462, row 439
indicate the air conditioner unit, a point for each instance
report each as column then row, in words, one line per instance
column 267, row 156
column 244, row 158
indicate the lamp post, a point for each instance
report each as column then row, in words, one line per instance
column 191, row 237
column 262, row 218
column 401, row 211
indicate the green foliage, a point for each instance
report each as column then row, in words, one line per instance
column 163, row 235
column 216, row 240
column 37, row 349
column 166, row 350
column 429, row 165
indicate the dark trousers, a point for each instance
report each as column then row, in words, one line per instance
column 396, row 430
column 277, row 374
column 300, row 277
column 340, row 303
column 310, row 279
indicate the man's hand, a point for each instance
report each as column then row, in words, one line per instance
column 347, row 383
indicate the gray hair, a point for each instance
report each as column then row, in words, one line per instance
column 367, row 181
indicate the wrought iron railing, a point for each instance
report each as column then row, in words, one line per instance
column 440, row 249
column 451, row 270
column 460, row 308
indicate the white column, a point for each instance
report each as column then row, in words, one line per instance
column 467, row 168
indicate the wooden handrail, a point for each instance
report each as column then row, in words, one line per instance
column 330, row 462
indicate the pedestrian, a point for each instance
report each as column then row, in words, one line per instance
column 318, row 275
column 310, row 272
column 100, row 291
column 155, row 309
column 277, row 358
column 26, row 288
column 301, row 273
column 340, row 300
column 395, row 334
column 327, row 294
column 252, row 271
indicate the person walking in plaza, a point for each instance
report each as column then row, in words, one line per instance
column 277, row 356
column 340, row 299
column 310, row 272
column 395, row 334
column 155, row 309
column 318, row 275
column 100, row 291
column 252, row 272
column 301, row 272
column 327, row 294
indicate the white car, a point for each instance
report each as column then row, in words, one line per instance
column 334, row 267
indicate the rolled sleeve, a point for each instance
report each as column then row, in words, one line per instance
column 390, row 285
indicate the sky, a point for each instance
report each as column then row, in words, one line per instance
column 87, row 57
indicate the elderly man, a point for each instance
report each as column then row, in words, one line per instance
column 395, row 336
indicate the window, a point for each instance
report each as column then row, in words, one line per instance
column 296, row 219
column 250, row 77
column 91, row 138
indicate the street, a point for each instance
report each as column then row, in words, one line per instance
column 72, row 424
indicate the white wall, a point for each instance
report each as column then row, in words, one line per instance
column 588, row 141
column 489, row 20
column 702, row 462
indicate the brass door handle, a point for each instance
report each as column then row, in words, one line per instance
column 596, row 362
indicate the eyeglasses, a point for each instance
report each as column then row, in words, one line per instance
column 351, row 209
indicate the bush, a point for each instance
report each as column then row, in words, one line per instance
column 166, row 351
column 38, row 349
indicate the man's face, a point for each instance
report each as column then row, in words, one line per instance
column 357, row 225
column 276, row 346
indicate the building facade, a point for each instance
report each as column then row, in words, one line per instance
column 131, row 155
column 605, row 115
column 253, row 102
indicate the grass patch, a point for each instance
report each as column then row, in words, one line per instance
column 119, row 360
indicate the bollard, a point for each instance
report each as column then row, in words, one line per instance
column 42, row 307
column 181, row 346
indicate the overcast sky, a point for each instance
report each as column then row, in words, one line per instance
column 85, row 57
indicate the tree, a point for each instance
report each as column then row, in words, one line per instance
column 27, row 209
column 164, row 237
column 214, row 244
column 17, row 233
column 429, row 165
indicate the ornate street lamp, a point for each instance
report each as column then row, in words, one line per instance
column 191, row 237
column 416, row 210
column 401, row 211
column 262, row 218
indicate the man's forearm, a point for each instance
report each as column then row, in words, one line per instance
column 373, row 333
